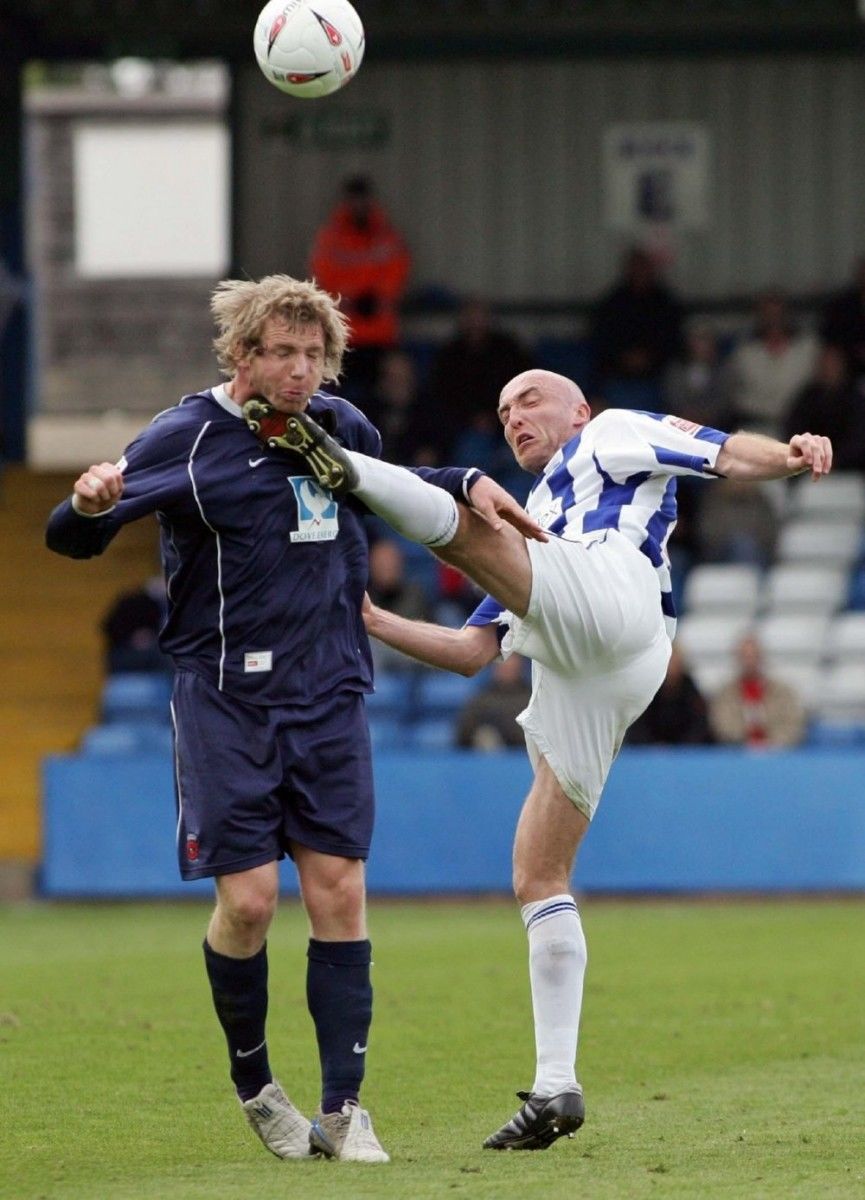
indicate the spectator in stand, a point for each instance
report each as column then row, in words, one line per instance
column 458, row 596
column 488, row 719
column 678, row 715
column 637, row 326
column 359, row 256
column 400, row 408
column 754, row 709
column 392, row 590
column 843, row 322
column 770, row 367
column 697, row 382
column 131, row 628
column 467, row 375
column 832, row 403
column 736, row 523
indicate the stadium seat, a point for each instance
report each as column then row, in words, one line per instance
column 142, row 737
column 842, row 494
column 800, row 587
column 388, row 733
column 845, row 638
column 793, row 637
column 433, row 734
column 819, row 541
column 441, row 693
column 802, row 677
column 136, row 696
column 392, row 695
column 711, row 674
column 841, row 697
column 725, row 587
column 707, row 637
column 835, row 735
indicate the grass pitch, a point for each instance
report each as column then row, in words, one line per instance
column 722, row 1053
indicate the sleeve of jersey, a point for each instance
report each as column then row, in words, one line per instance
column 653, row 441
column 154, row 477
column 455, row 480
column 362, row 435
column 488, row 612
column 685, row 448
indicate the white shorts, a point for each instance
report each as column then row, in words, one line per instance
column 595, row 634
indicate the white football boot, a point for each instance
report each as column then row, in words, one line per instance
column 284, row 1130
column 347, row 1135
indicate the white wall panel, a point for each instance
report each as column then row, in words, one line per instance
column 493, row 170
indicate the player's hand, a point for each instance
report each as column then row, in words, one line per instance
column 495, row 505
column 98, row 488
column 809, row 452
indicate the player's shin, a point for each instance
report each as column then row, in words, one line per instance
column 339, row 996
column 416, row 509
column 557, row 966
column 239, row 987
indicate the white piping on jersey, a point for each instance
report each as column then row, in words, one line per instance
column 177, row 786
column 170, row 580
column 191, row 474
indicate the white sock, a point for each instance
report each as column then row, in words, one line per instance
column 557, row 968
column 416, row 509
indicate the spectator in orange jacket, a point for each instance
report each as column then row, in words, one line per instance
column 359, row 256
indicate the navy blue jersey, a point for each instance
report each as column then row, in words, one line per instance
column 265, row 570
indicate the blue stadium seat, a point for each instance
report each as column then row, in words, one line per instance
column 387, row 733
column 442, row 694
column 392, row 695
column 136, row 696
column 433, row 734
column 836, row 735
column 127, row 737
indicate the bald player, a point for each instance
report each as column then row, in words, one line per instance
column 589, row 601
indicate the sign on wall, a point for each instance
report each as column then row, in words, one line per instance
column 656, row 174
column 151, row 198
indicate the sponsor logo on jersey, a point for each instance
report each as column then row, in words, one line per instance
column 681, row 423
column 317, row 519
column 550, row 512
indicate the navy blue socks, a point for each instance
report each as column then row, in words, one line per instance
column 339, row 996
column 239, row 987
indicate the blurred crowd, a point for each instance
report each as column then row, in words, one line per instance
column 436, row 405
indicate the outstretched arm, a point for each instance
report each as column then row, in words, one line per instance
column 752, row 456
column 465, row 651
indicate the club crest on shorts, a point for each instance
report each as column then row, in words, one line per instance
column 317, row 519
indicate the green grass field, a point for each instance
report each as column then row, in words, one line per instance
column 722, row 1054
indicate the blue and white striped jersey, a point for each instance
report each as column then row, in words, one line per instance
column 266, row 571
column 620, row 473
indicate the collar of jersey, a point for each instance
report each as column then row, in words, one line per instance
column 558, row 458
column 222, row 398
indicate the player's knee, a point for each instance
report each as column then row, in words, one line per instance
column 250, row 911
column 335, row 896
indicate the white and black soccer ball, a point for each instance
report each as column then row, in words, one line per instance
column 308, row 48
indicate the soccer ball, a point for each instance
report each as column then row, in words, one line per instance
column 308, row 48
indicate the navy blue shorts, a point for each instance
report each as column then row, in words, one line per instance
column 252, row 779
